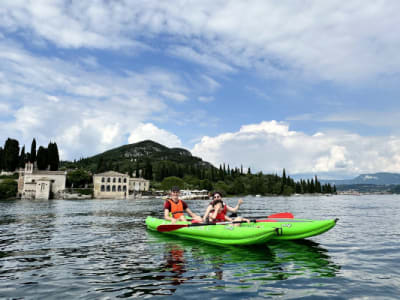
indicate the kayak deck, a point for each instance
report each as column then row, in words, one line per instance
column 292, row 229
column 226, row 234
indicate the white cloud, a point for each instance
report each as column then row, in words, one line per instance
column 174, row 96
column 326, row 40
column 271, row 146
column 85, row 112
column 149, row 131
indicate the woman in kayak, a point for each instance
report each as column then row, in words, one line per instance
column 174, row 208
column 217, row 210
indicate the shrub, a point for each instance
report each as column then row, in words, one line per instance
column 8, row 189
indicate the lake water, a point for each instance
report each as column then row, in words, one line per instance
column 90, row 249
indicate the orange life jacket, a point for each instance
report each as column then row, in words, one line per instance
column 176, row 208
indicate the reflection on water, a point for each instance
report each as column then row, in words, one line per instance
column 221, row 265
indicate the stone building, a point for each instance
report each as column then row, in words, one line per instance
column 138, row 185
column 111, row 185
column 37, row 184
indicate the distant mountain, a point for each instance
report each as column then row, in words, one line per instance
column 381, row 178
column 137, row 155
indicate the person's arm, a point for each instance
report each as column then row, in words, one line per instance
column 228, row 219
column 209, row 208
column 216, row 210
column 235, row 209
column 168, row 217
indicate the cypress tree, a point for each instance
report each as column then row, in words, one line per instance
column 33, row 151
column 52, row 156
column 284, row 177
column 1, row 158
column 22, row 158
column 42, row 158
column 11, row 154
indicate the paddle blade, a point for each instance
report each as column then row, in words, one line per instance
column 170, row 227
column 284, row 215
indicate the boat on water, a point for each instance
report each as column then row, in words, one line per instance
column 256, row 232
column 218, row 234
column 191, row 195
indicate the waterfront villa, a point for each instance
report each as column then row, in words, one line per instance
column 38, row 184
column 115, row 185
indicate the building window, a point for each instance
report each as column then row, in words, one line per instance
column 108, row 179
column 124, row 180
column 119, row 188
column 124, row 188
column 102, row 188
column 119, row 179
column 103, row 179
column 108, row 188
column 114, row 179
column 113, row 188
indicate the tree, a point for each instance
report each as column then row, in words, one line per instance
column 1, row 158
column 33, row 151
column 8, row 188
column 171, row 181
column 22, row 158
column 148, row 170
column 53, row 156
column 283, row 177
column 100, row 165
column 78, row 178
column 42, row 158
column 11, row 154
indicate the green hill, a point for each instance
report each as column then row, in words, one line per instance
column 144, row 157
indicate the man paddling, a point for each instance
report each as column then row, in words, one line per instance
column 174, row 208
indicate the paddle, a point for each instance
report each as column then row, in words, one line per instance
column 171, row 227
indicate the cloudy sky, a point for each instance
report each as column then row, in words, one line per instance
column 310, row 86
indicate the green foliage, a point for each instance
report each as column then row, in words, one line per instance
column 11, row 155
column 8, row 189
column 22, row 158
column 42, row 158
column 1, row 158
column 169, row 182
column 158, row 163
column 79, row 178
column 222, row 187
column 53, row 158
column 33, row 151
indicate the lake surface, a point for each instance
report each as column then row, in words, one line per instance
column 90, row 249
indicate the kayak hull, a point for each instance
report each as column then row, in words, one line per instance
column 227, row 234
column 293, row 229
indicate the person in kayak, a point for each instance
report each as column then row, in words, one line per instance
column 216, row 211
column 174, row 208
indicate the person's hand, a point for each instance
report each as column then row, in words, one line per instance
column 240, row 201
column 173, row 221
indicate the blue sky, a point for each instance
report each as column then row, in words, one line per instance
column 310, row 86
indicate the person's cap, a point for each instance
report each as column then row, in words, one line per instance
column 175, row 189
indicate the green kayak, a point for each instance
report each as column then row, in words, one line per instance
column 226, row 234
column 293, row 229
